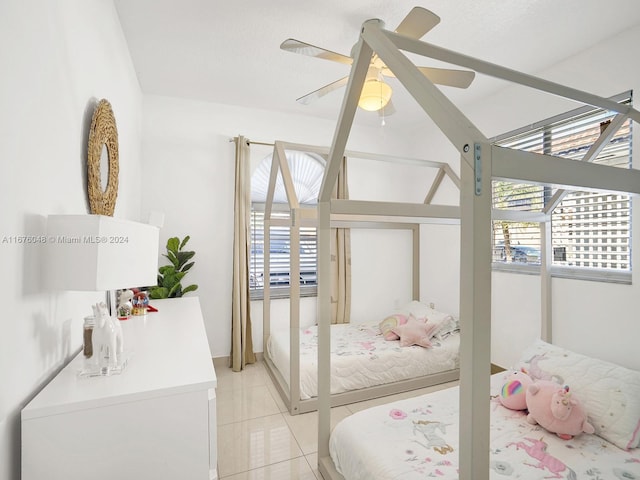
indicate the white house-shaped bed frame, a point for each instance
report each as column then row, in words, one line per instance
column 480, row 163
column 348, row 214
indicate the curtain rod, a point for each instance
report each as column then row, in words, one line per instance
column 249, row 142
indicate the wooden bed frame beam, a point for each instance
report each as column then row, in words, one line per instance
column 289, row 189
column 432, row 51
column 273, row 176
column 393, row 209
column 518, row 216
column 434, row 186
column 546, row 298
column 324, row 152
column 449, row 119
column 294, row 314
column 354, row 221
column 565, row 173
column 324, row 333
column 597, row 147
column 415, row 266
column 475, row 319
column 359, row 69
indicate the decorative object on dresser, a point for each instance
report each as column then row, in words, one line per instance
column 102, row 153
column 170, row 276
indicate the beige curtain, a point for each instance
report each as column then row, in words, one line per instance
column 341, row 259
column 241, row 342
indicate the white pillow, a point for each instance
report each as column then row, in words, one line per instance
column 609, row 393
column 446, row 323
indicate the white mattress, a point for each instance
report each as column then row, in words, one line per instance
column 417, row 438
column 361, row 358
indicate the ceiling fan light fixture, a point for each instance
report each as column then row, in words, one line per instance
column 375, row 95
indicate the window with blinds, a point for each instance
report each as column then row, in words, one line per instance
column 280, row 255
column 589, row 230
column 306, row 170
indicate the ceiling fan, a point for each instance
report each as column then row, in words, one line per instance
column 376, row 93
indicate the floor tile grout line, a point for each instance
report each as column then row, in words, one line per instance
column 284, row 416
column 313, row 469
column 270, row 465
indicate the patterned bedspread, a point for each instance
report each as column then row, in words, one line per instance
column 362, row 358
column 417, row 438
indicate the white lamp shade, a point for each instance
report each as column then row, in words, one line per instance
column 98, row 253
column 375, row 95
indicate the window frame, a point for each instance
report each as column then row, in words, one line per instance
column 563, row 271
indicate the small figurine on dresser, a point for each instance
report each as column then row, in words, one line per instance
column 125, row 305
column 140, row 303
column 107, row 344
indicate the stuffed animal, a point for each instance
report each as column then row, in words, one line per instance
column 556, row 409
column 514, row 390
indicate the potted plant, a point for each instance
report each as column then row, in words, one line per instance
column 170, row 276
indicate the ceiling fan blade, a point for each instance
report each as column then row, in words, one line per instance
column 296, row 46
column 322, row 91
column 417, row 22
column 443, row 76
column 388, row 109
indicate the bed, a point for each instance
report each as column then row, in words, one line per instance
column 417, row 438
column 364, row 366
column 480, row 163
column 363, row 358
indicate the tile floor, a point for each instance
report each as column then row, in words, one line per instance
column 258, row 439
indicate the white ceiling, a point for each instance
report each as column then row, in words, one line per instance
column 228, row 51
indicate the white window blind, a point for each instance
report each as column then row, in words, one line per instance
column 589, row 229
column 280, row 255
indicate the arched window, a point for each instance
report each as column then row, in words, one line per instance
column 307, row 170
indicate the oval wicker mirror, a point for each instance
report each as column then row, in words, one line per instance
column 103, row 133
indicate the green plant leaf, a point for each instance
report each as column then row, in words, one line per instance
column 182, row 258
column 173, row 244
column 158, row 292
column 188, row 266
column 184, row 242
column 171, row 277
column 176, row 291
column 190, row 288
column 173, row 259
column 167, row 269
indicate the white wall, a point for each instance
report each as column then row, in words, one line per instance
column 591, row 317
column 58, row 59
column 189, row 161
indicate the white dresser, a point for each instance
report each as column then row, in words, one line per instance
column 156, row 420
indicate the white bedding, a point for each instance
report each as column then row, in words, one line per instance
column 417, row 438
column 361, row 358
